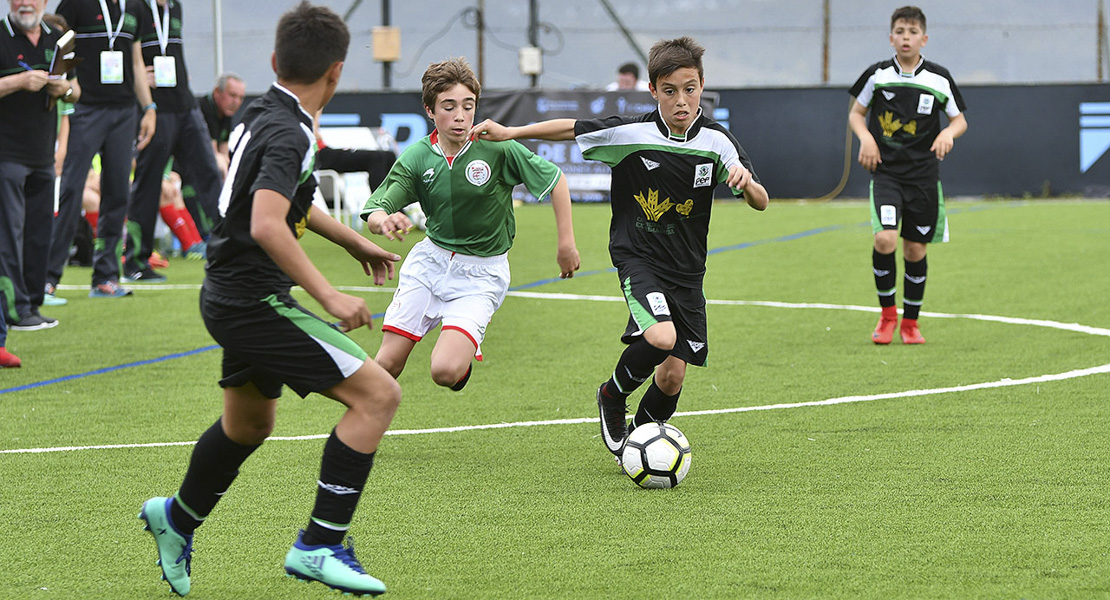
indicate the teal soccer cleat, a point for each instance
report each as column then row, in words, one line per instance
column 175, row 551
column 333, row 566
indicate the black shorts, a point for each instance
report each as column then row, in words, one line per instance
column 917, row 205
column 275, row 341
column 652, row 300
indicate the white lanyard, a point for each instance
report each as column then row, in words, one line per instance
column 108, row 21
column 162, row 30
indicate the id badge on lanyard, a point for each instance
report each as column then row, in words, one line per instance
column 165, row 71
column 165, row 67
column 111, row 60
column 111, row 67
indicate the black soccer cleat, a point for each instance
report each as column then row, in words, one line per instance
column 613, row 412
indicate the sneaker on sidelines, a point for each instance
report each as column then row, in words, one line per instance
column 157, row 261
column 334, row 566
column 108, row 289
column 910, row 333
column 9, row 360
column 198, row 251
column 49, row 298
column 175, row 550
column 613, row 427
column 33, row 321
column 146, row 275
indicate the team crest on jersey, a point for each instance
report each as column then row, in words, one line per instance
column 478, row 172
column 703, row 175
column 653, row 208
column 925, row 104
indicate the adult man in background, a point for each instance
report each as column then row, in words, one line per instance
column 114, row 94
column 180, row 133
column 218, row 107
column 28, row 130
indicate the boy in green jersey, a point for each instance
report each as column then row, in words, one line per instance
column 459, row 274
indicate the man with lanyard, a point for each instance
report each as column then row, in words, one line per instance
column 113, row 87
column 181, row 133
column 28, row 130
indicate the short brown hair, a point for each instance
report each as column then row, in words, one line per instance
column 309, row 40
column 912, row 14
column 442, row 76
column 668, row 56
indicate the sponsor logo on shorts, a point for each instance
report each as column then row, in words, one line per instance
column 478, row 172
column 695, row 346
column 657, row 303
column 924, row 229
column 703, row 175
column 888, row 215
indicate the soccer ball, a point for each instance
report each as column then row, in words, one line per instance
column 656, row 455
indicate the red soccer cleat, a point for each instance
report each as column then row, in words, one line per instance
column 9, row 360
column 910, row 333
column 884, row 331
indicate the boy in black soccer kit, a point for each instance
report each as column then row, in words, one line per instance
column 902, row 144
column 665, row 166
column 268, row 339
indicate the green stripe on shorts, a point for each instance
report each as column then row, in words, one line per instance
column 640, row 314
column 316, row 328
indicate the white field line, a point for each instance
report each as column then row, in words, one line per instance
column 1006, row 382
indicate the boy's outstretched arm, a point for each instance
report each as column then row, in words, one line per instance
column 957, row 126
column 392, row 226
column 552, row 130
column 269, row 229
column 376, row 261
column 868, row 147
column 567, row 255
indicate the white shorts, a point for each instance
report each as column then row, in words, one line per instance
column 439, row 286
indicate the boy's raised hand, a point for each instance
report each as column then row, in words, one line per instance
column 490, row 130
column 375, row 260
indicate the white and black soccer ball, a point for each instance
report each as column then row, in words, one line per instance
column 656, row 455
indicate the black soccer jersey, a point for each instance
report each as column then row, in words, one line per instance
column 176, row 98
column 662, row 187
column 94, row 36
column 905, row 112
column 273, row 148
column 27, row 128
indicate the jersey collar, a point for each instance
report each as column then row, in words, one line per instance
column 691, row 131
column 433, row 140
column 296, row 100
column 911, row 73
column 8, row 25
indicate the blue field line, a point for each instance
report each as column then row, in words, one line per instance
column 785, row 238
column 108, row 369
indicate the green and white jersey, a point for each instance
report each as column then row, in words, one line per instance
column 662, row 188
column 905, row 110
column 467, row 198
